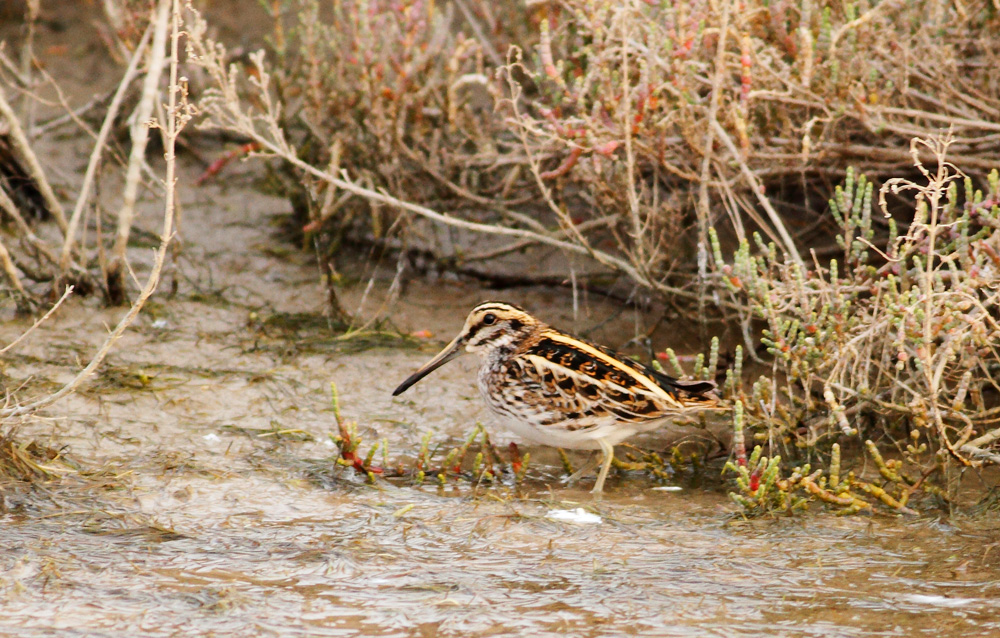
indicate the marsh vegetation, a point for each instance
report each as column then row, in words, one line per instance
column 229, row 229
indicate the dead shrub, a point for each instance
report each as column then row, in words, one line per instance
column 625, row 130
column 396, row 94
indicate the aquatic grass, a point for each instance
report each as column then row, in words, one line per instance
column 41, row 481
column 762, row 487
column 687, row 460
column 276, row 432
column 476, row 461
column 130, row 378
column 887, row 351
column 28, row 461
column 306, row 333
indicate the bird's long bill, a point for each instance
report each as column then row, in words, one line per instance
column 450, row 351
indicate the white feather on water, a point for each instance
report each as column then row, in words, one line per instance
column 579, row 516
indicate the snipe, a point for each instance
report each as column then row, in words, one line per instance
column 555, row 389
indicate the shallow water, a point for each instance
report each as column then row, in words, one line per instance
column 267, row 557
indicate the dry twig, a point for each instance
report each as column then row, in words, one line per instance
column 178, row 113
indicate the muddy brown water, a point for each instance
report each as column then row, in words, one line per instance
column 224, row 514
column 261, row 556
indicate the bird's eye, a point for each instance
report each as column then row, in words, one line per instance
column 490, row 319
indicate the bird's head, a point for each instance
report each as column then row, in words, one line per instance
column 490, row 325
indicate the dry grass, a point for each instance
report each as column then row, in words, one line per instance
column 42, row 480
column 620, row 131
column 27, row 462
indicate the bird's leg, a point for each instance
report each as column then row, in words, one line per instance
column 609, row 455
column 590, row 464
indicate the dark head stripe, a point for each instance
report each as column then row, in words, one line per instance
column 473, row 331
column 499, row 306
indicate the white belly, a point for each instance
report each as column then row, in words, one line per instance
column 614, row 432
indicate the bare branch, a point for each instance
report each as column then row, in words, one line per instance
column 23, row 148
column 99, row 147
column 43, row 319
column 140, row 136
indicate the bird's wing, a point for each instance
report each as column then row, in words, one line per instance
column 592, row 382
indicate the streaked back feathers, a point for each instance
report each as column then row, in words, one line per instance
column 498, row 329
column 605, row 366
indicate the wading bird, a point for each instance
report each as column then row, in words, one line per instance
column 555, row 389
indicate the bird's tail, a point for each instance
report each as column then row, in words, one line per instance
column 698, row 395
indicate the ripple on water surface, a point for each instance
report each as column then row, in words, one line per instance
column 291, row 559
